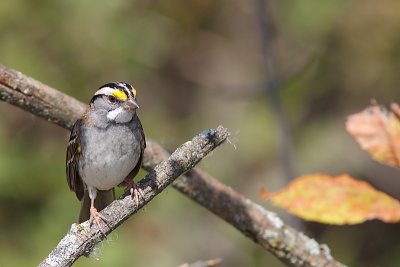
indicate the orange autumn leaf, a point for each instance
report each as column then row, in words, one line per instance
column 335, row 200
column 378, row 131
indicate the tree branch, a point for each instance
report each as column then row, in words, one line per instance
column 82, row 238
column 39, row 99
column 260, row 225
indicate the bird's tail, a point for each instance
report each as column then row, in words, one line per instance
column 103, row 199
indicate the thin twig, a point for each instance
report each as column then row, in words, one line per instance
column 272, row 86
column 260, row 225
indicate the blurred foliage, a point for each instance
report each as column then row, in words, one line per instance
column 197, row 64
column 336, row 200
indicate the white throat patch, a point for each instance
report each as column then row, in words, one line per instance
column 120, row 115
column 114, row 113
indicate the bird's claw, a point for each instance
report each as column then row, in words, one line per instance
column 96, row 217
column 136, row 193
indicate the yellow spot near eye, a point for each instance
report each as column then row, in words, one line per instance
column 134, row 92
column 120, row 95
column 78, row 149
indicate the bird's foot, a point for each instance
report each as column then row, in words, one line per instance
column 136, row 193
column 135, row 190
column 96, row 217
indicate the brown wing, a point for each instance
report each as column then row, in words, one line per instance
column 73, row 154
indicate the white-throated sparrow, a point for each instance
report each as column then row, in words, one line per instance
column 105, row 149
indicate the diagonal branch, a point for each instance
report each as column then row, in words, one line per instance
column 82, row 238
column 39, row 99
column 260, row 225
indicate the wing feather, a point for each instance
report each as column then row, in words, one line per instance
column 75, row 182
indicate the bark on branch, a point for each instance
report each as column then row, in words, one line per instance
column 262, row 226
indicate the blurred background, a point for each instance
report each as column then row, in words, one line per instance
column 281, row 76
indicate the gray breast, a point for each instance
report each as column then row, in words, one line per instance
column 109, row 155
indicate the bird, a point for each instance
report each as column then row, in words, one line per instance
column 105, row 150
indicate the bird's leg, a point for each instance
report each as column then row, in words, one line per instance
column 95, row 215
column 134, row 189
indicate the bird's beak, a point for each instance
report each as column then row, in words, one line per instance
column 131, row 104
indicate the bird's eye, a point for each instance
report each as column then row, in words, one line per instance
column 112, row 99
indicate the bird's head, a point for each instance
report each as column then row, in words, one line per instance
column 116, row 100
